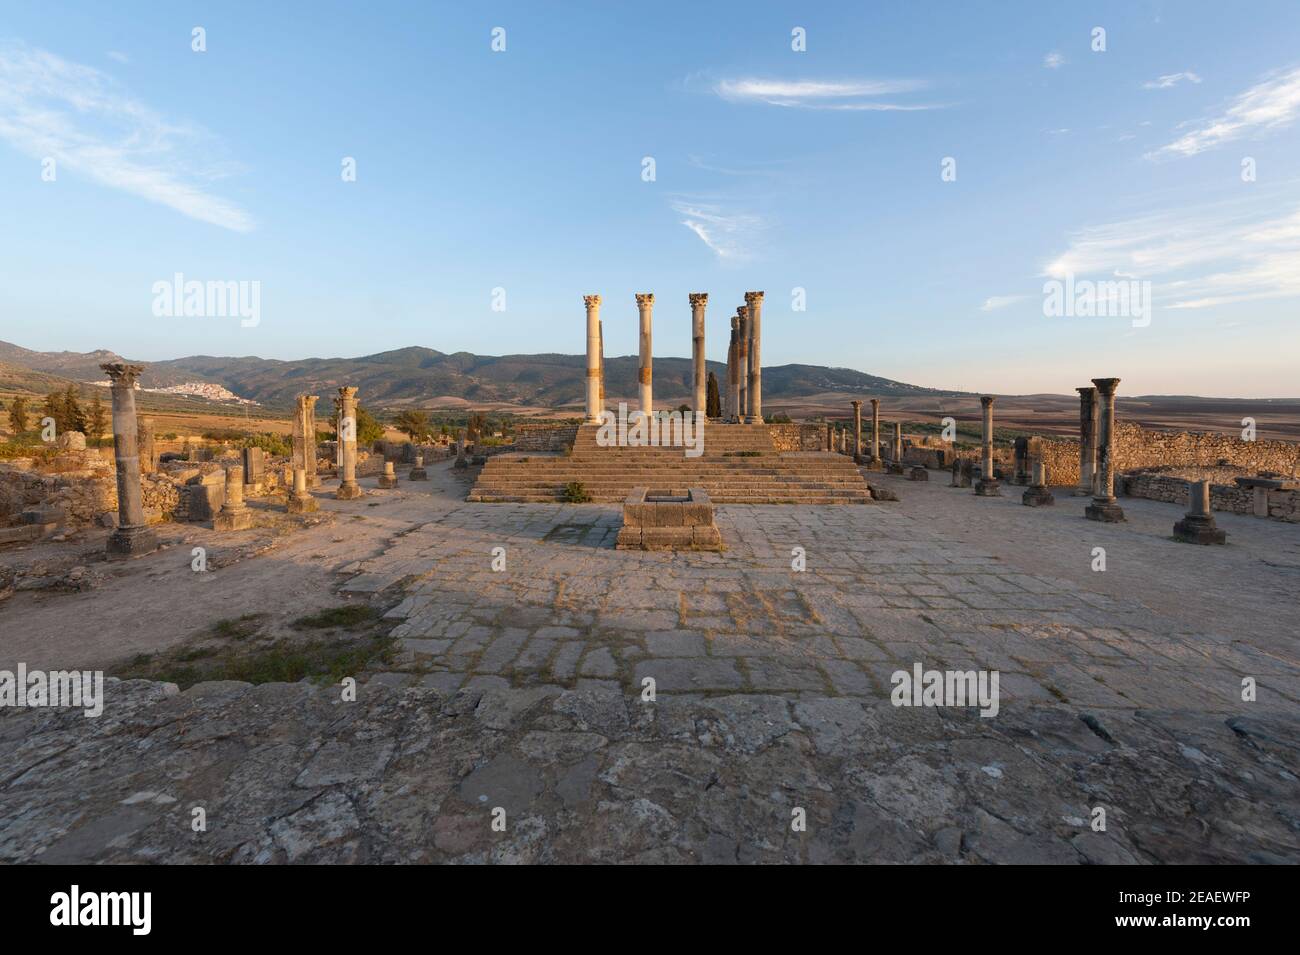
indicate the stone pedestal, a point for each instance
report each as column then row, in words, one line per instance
column 132, row 537
column 918, row 474
column 668, row 520
column 388, row 479
column 300, row 499
column 1197, row 525
column 254, row 466
column 418, row 473
column 234, row 514
column 1104, row 507
column 1038, row 495
column 645, row 303
column 754, row 310
column 348, row 489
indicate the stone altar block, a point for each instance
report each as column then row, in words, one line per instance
column 668, row 520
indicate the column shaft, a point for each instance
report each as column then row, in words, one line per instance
column 857, row 430
column 645, row 389
column 754, row 302
column 1087, row 439
column 131, row 536
column 593, row 357
column 698, row 302
column 347, row 432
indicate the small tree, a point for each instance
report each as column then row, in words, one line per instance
column 18, row 415
column 52, row 407
column 74, row 419
column 713, row 403
column 414, row 424
column 96, row 420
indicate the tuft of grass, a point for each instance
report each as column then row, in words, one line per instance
column 321, row 661
column 575, row 492
column 240, row 628
column 348, row 615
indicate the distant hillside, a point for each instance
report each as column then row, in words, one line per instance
column 421, row 377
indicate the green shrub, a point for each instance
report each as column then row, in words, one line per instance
column 575, row 492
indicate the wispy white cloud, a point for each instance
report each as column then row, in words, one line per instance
column 1053, row 60
column 994, row 302
column 118, row 55
column 1212, row 255
column 822, row 94
column 729, row 234
column 77, row 115
column 1170, row 80
column 1270, row 104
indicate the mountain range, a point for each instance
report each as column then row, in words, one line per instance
column 425, row 378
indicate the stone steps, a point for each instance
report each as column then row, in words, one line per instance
column 608, row 474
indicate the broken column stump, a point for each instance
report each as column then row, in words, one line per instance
column 1197, row 525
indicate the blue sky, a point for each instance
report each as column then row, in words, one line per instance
column 774, row 170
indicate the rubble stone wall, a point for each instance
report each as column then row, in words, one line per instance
column 544, row 437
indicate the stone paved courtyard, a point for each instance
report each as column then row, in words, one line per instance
column 520, row 690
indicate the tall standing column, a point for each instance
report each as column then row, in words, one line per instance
column 987, row 486
column 729, row 412
column 593, row 357
column 304, row 438
column 1087, row 441
column 132, row 536
column 698, row 301
column 600, row 403
column 347, row 432
column 1103, row 507
column 857, row 431
column 645, row 303
column 897, row 454
column 875, row 432
column 742, row 365
column 147, row 449
column 754, row 300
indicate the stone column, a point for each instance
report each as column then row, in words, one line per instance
column 389, row 478
column 1038, row 495
column 729, row 412
column 898, row 443
column 461, row 460
column 593, row 357
column 600, row 329
column 418, row 473
column 857, row 431
column 304, row 437
column 754, row 301
column 132, row 536
column 698, row 301
column 1197, row 526
column 645, row 303
column 300, row 499
column 987, row 485
column 1103, row 507
column 875, row 432
column 742, row 365
column 830, row 436
column 1087, row 441
column 148, row 450
column 347, row 432
column 234, row 514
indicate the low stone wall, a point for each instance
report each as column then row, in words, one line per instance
column 1137, row 447
column 81, row 497
column 1280, row 504
column 798, row 437
column 544, row 437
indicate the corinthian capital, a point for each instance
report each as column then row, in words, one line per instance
column 645, row 298
column 699, row 299
column 753, row 298
column 591, row 301
column 121, row 373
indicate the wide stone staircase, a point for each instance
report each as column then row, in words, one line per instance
column 740, row 465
